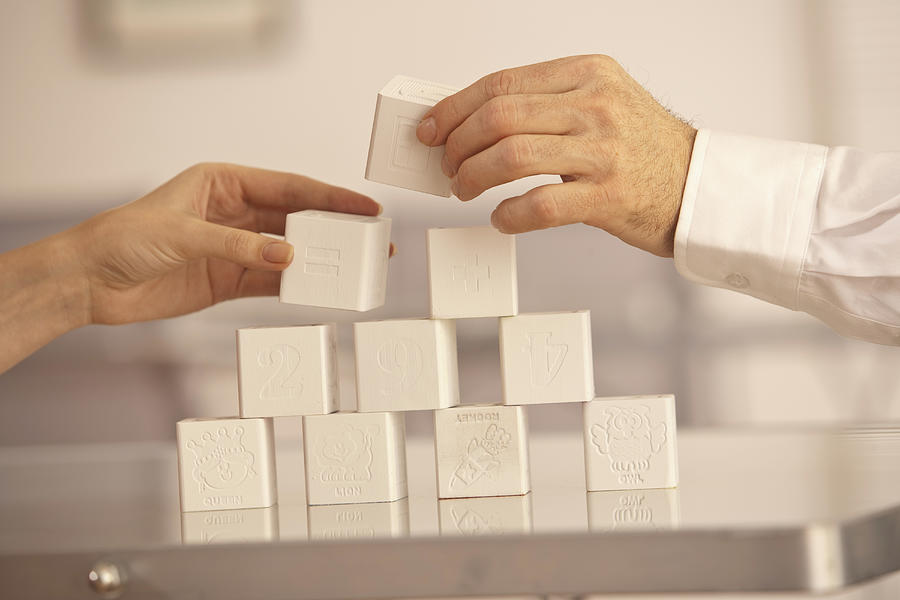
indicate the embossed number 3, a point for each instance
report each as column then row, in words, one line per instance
column 285, row 382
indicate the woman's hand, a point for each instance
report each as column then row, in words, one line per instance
column 623, row 158
column 194, row 241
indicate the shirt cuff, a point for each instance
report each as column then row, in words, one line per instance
column 746, row 214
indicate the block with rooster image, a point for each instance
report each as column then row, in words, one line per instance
column 481, row 450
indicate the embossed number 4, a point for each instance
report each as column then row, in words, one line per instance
column 285, row 382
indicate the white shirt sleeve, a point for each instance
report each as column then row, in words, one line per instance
column 804, row 226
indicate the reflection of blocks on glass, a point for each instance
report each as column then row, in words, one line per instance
column 285, row 371
column 340, row 260
column 230, row 526
column 352, row 458
column 481, row 450
column 485, row 516
column 472, row 273
column 633, row 510
column 359, row 521
column 396, row 156
column 406, row 364
column 225, row 464
column 292, row 524
column 547, row 357
column 630, row 443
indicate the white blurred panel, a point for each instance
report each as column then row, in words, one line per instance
column 84, row 130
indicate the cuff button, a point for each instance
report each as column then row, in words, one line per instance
column 737, row 281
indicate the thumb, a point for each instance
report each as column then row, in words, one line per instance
column 246, row 248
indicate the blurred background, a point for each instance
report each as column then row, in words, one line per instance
column 103, row 100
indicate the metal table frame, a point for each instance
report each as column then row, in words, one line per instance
column 817, row 558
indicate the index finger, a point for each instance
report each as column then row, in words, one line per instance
column 551, row 77
column 291, row 192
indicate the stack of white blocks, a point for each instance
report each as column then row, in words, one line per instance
column 411, row 364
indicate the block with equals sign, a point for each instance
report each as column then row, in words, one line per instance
column 340, row 260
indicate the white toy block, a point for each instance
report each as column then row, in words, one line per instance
column 629, row 443
column 481, row 450
column 485, row 516
column 340, row 260
column 406, row 364
column 226, row 463
column 633, row 509
column 230, row 526
column 547, row 357
column 472, row 273
column 354, row 457
column 287, row 371
column 355, row 521
column 396, row 156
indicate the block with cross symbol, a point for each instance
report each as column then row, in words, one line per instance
column 629, row 443
column 352, row 458
column 396, row 156
column 481, row 450
column 287, row 371
column 340, row 260
column 226, row 463
column 472, row 273
column 406, row 364
column 547, row 358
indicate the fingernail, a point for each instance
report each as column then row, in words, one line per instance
column 392, row 250
column 427, row 130
column 446, row 168
column 278, row 252
column 496, row 222
column 454, row 187
column 380, row 210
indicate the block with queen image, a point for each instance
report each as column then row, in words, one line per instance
column 481, row 450
column 226, row 463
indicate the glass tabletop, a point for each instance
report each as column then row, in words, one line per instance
column 794, row 490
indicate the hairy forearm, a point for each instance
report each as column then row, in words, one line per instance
column 42, row 296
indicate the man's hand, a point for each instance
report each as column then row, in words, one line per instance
column 623, row 158
column 194, row 241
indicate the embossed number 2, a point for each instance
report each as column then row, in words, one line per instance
column 285, row 381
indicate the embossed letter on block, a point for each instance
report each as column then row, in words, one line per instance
column 284, row 371
column 340, row 260
column 629, row 443
column 547, row 357
column 406, row 364
column 354, row 457
column 225, row 463
column 472, row 273
column 396, row 156
column 481, row 450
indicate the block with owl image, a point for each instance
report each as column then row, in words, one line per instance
column 481, row 450
column 630, row 444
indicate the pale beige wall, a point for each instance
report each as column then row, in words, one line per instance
column 82, row 131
